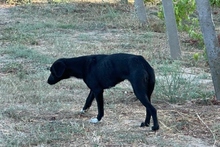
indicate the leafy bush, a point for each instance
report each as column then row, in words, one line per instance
column 215, row 3
column 185, row 17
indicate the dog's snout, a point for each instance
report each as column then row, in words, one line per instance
column 52, row 80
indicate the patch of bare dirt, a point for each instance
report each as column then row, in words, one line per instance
column 198, row 119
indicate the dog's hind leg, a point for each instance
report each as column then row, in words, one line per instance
column 89, row 101
column 150, row 110
column 138, row 82
column 150, row 82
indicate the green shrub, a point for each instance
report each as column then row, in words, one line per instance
column 183, row 9
column 176, row 86
column 186, row 19
column 215, row 3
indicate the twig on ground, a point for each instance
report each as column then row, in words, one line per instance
column 213, row 135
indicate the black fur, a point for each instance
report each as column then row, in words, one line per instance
column 100, row 72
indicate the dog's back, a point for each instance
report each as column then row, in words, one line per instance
column 109, row 70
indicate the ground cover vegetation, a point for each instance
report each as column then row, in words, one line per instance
column 32, row 113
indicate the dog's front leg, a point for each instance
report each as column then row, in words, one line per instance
column 89, row 101
column 100, row 104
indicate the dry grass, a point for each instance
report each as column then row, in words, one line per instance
column 36, row 114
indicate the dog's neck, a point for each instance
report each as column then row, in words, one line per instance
column 76, row 66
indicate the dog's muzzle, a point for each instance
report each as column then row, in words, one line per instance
column 51, row 80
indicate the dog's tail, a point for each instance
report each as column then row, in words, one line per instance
column 151, row 83
column 150, row 79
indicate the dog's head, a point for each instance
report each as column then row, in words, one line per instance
column 58, row 72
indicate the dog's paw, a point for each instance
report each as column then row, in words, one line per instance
column 155, row 128
column 94, row 120
column 82, row 111
column 144, row 125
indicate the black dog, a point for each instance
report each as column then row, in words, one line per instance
column 100, row 72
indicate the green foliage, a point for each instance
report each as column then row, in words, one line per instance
column 196, row 56
column 185, row 17
column 215, row 3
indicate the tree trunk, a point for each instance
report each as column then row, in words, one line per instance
column 141, row 11
column 211, row 42
column 171, row 29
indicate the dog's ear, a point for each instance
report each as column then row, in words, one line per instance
column 58, row 69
